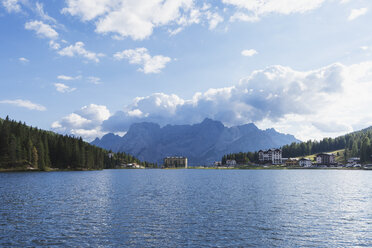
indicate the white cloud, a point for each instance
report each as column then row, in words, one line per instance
column 63, row 88
column 42, row 14
column 140, row 56
column 328, row 101
column 249, row 53
column 85, row 122
column 43, row 30
column 23, row 60
column 214, row 19
column 305, row 103
column 94, row 80
column 128, row 18
column 240, row 16
column 257, row 8
column 78, row 50
column 355, row 13
column 12, row 5
column 137, row 19
column 54, row 45
column 68, row 78
column 24, row 103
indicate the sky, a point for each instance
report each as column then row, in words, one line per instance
column 90, row 67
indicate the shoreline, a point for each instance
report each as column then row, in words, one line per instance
column 191, row 168
column 47, row 170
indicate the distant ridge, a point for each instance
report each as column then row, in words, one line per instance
column 202, row 143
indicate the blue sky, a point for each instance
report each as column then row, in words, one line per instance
column 88, row 67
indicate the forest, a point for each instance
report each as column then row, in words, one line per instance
column 356, row 144
column 25, row 147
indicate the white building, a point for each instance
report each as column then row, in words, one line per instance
column 217, row 163
column 305, row 162
column 273, row 156
column 231, row 163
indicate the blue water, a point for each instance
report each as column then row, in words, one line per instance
column 187, row 208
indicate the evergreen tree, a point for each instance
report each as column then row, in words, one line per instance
column 365, row 150
column 35, row 158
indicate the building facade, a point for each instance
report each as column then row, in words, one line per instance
column 175, row 162
column 325, row 159
column 217, row 163
column 353, row 160
column 273, row 156
column 291, row 162
column 305, row 162
column 231, row 163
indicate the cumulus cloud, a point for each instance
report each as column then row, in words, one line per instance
column 63, row 88
column 128, row 18
column 42, row 29
column 85, row 122
column 355, row 13
column 12, row 5
column 328, row 101
column 137, row 19
column 24, row 104
column 271, row 93
column 140, row 56
column 249, row 53
column 78, row 50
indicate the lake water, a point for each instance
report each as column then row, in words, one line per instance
column 187, row 208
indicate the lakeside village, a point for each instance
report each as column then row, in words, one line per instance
column 271, row 158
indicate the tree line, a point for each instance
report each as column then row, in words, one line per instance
column 241, row 157
column 356, row 144
column 22, row 146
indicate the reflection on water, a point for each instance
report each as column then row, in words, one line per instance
column 193, row 208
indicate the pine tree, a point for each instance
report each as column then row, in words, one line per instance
column 364, row 150
column 35, row 157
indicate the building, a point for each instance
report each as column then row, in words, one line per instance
column 217, row 163
column 325, row 159
column 353, row 161
column 305, row 162
column 132, row 165
column 231, row 163
column 273, row 156
column 175, row 162
column 291, row 162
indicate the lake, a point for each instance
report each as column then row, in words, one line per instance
column 187, row 208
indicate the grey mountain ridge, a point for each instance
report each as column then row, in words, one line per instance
column 201, row 143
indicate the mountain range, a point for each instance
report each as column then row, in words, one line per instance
column 201, row 143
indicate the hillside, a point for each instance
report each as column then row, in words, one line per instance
column 201, row 143
column 339, row 156
column 355, row 144
column 23, row 147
